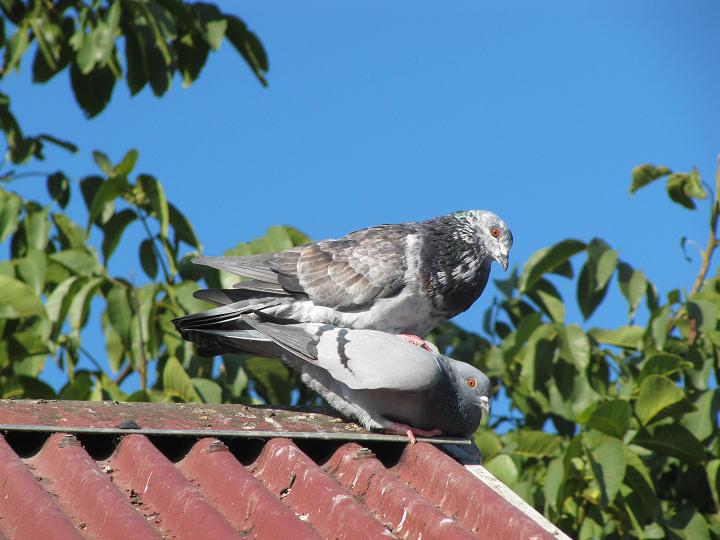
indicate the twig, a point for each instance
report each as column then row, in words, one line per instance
column 92, row 359
column 143, row 357
column 151, row 237
column 11, row 176
column 712, row 238
column 127, row 370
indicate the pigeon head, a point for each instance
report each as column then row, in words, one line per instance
column 492, row 233
column 473, row 387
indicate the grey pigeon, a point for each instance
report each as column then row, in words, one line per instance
column 374, row 377
column 404, row 279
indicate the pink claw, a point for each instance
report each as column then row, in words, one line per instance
column 415, row 340
column 396, row 428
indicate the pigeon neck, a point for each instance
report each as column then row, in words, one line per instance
column 453, row 264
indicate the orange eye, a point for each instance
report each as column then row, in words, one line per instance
column 472, row 383
column 495, row 232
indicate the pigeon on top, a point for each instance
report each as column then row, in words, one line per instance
column 404, row 278
column 374, row 377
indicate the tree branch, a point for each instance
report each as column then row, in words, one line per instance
column 712, row 238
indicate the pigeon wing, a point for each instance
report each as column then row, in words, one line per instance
column 355, row 270
column 368, row 359
column 350, row 272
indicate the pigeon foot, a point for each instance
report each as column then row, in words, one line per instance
column 395, row 428
column 415, row 340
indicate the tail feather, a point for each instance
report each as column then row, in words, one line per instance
column 223, row 297
column 251, row 266
column 214, row 342
column 293, row 339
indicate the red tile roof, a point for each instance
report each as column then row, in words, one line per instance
column 104, row 483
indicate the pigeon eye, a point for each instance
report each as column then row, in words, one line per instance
column 495, row 232
column 472, row 383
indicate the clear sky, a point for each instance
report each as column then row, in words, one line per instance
column 383, row 112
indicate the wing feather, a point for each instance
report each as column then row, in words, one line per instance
column 350, row 272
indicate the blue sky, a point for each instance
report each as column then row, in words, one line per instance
column 381, row 113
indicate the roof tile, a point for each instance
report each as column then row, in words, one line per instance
column 85, row 493
column 173, row 480
column 27, row 510
column 310, row 492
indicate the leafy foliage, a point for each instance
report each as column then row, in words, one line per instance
column 630, row 414
column 161, row 38
column 52, row 259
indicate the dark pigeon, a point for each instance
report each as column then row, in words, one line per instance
column 404, row 279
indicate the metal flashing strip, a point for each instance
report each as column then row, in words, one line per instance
column 512, row 498
column 327, row 436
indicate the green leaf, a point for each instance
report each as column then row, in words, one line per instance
column 153, row 189
column 209, row 391
column 272, row 379
column 148, row 258
column 248, row 45
column 9, row 211
column 78, row 262
column 504, row 469
column 183, row 229
column 547, row 297
column 683, row 187
column 31, row 269
column 235, row 379
column 15, row 47
column 135, row 59
column 672, row 440
column 703, row 422
column 57, row 301
column 71, row 235
column 704, row 312
column 78, row 388
column 554, row 478
column 113, row 344
column 192, row 51
column 659, row 397
column 114, row 229
column 176, row 380
column 713, row 475
column 611, row 417
column 214, row 24
column 80, row 304
column 575, row 345
column 629, row 337
column 487, row 442
column 661, row 364
column 608, row 465
column 694, row 528
column 536, row 444
column 119, row 313
column 642, row 175
column 58, row 187
column 36, row 389
column 94, row 90
column 103, row 162
column 37, row 229
column 127, row 164
column 546, row 260
column 109, row 190
column 18, row 299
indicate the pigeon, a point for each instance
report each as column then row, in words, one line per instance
column 402, row 278
column 374, row 377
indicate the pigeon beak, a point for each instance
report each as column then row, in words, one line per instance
column 485, row 404
column 503, row 260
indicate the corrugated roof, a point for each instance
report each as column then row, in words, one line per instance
column 110, row 485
